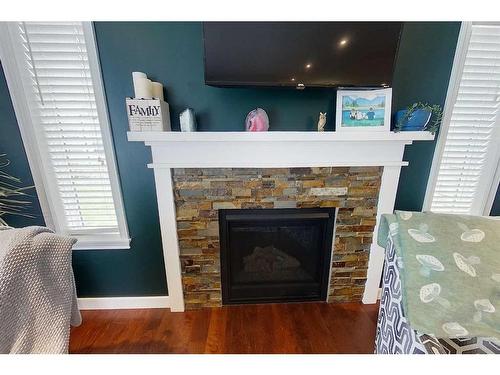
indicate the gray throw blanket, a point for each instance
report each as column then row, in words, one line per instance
column 37, row 291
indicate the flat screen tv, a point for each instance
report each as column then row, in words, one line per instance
column 300, row 54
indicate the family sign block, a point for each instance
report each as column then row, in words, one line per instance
column 148, row 115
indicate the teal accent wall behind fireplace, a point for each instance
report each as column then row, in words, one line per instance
column 422, row 73
column 172, row 52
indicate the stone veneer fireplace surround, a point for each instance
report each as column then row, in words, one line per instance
column 234, row 150
column 200, row 192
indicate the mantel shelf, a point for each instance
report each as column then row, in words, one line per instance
column 278, row 136
column 276, row 149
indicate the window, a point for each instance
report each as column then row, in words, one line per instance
column 465, row 176
column 53, row 74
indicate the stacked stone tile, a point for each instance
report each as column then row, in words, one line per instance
column 200, row 193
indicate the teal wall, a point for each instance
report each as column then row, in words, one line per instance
column 173, row 54
column 495, row 210
column 422, row 74
column 11, row 144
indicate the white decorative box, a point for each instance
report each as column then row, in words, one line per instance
column 146, row 115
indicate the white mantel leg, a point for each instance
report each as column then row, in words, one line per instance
column 386, row 200
column 170, row 243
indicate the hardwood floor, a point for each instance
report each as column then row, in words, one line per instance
column 277, row 328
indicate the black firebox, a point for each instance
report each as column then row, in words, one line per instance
column 275, row 255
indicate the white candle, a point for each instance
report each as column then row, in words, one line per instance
column 157, row 90
column 143, row 88
column 135, row 77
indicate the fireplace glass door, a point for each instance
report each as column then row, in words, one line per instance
column 275, row 255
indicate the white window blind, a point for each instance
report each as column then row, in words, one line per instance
column 70, row 125
column 468, row 159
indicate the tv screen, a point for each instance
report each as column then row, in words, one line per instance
column 300, row 54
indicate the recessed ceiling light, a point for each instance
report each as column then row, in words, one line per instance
column 343, row 42
column 293, row 79
column 308, row 66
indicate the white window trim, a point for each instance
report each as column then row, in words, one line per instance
column 488, row 185
column 27, row 130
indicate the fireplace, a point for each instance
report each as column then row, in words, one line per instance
column 275, row 255
column 199, row 173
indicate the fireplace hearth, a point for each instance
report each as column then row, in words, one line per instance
column 275, row 255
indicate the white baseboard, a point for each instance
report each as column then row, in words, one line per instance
column 107, row 303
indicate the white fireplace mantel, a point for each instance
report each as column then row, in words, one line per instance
column 271, row 150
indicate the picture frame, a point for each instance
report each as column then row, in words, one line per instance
column 362, row 110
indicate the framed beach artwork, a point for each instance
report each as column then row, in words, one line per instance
column 363, row 110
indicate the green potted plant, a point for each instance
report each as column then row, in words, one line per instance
column 11, row 195
column 419, row 117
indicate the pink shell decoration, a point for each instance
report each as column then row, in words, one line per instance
column 257, row 121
